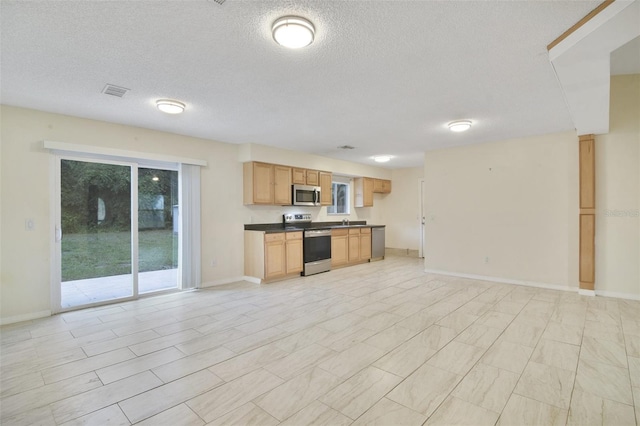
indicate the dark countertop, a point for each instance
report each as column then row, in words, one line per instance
column 281, row 227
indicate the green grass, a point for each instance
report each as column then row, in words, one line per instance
column 104, row 254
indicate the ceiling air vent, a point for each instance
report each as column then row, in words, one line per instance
column 346, row 147
column 113, row 90
column 219, row 1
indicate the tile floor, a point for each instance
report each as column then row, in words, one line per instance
column 381, row 343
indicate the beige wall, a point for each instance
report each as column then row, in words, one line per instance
column 402, row 209
column 26, row 194
column 618, row 192
column 504, row 209
column 25, row 188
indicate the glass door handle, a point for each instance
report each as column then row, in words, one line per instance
column 58, row 234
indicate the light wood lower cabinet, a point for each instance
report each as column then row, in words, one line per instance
column 365, row 243
column 293, row 250
column 272, row 256
column 339, row 247
column 354, row 245
column 350, row 246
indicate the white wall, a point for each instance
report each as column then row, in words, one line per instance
column 505, row 209
column 25, row 188
column 618, row 193
column 402, row 209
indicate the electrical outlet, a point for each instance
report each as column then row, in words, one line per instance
column 29, row 224
column 486, row 259
column 214, row 263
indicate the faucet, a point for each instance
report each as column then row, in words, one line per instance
column 345, row 221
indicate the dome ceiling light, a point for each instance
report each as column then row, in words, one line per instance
column 170, row 106
column 293, row 32
column 459, row 125
column 381, row 158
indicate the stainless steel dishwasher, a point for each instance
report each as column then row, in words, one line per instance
column 377, row 243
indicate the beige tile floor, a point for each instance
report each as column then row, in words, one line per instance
column 381, row 343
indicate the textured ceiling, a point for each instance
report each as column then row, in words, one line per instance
column 383, row 76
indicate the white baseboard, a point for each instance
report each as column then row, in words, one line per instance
column 628, row 296
column 502, row 280
column 24, row 317
column 585, row 292
column 229, row 281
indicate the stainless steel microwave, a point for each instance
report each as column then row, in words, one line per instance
column 305, row 195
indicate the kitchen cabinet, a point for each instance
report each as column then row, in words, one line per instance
column 365, row 243
column 381, row 186
column 354, row 245
column 266, row 183
column 272, row 256
column 339, row 247
column 293, row 251
column 305, row 176
column 350, row 245
column 364, row 192
column 282, row 185
column 325, row 188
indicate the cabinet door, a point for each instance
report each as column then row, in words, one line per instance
column 354, row 247
column 339, row 250
column 274, row 255
column 368, row 192
column 312, row 177
column 299, row 176
column 365, row 245
column 378, row 185
column 282, row 185
column 325, row 189
column 294, row 252
column 386, row 186
column 262, row 183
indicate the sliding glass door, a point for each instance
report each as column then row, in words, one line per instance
column 109, row 250
column 157, row 229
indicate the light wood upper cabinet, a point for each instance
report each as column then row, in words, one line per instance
column 258, row 183
column 364, row 192
column 305, row 176
column 339, row 247
column 266, row 184
column 325, row 189
column 299, row 176
column 313, row 178
column 382, row 186
column 293, row 249
column 282, row 185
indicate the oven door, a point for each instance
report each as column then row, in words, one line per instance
column 317, row 245
column 305, row 195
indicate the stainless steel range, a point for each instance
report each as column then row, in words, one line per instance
column 317, row 243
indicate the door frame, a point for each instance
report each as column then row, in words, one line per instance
column 56, row 246
column 421, row 217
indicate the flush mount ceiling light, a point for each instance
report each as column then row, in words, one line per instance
column 381, row 158
column 293, row 32
column 459, row 126
column 170, row 106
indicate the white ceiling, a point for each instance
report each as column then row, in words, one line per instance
column 383, row 76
